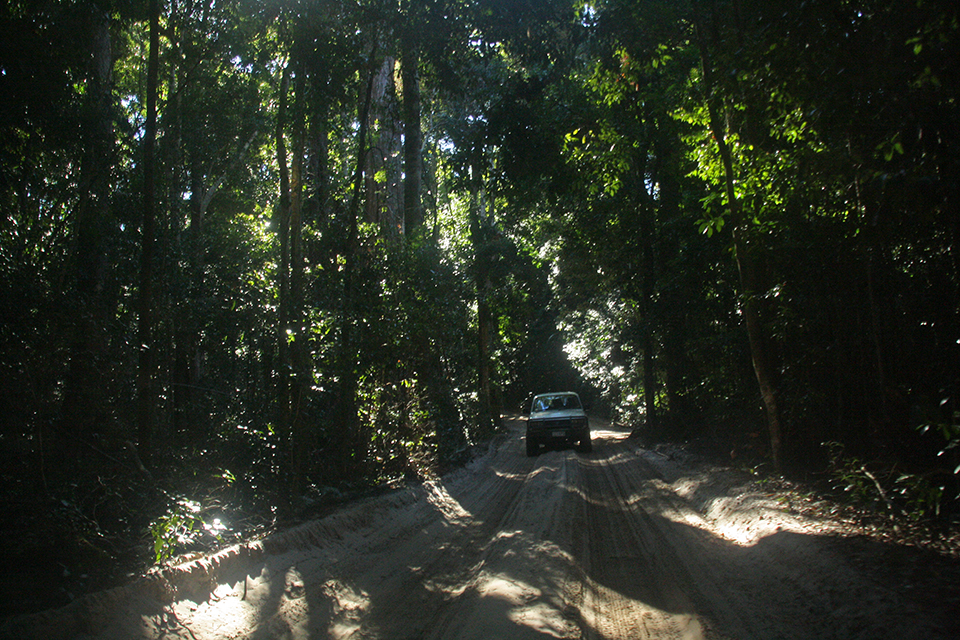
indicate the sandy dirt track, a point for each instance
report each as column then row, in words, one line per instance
column 620, row 543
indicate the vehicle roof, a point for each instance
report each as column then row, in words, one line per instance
column 556, row 393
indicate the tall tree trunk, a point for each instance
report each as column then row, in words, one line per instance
column 484, row 333
column 182, row 311
column 952, row 209
column 668, row 207
column 750, row 289
column 412, row 136
column 646, row 236
column 348, row 411
column 649, row 379
column 298, row 357
column 83, row 397
column 189, row 350
column 189, row 343
column 383, row 137
column 283, row 227
column 146, row 391
column 479, row 236
column 746, row 261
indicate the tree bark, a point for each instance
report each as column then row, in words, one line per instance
column 182, row 312
column 412, row 137
column 667, row 172
column 479, row 232
column 298, row 360
column 383, row 200
column 83, row 397
column 348, row 411
column 283, row 229
column 746, row 264
column 646, row 236
column 146, row 396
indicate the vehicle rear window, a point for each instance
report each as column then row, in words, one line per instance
column 555, row 403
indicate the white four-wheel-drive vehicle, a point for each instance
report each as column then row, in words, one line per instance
column 557, row 419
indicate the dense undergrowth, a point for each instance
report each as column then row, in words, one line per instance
column 114, row 522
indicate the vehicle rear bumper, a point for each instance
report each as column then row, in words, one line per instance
column 557, row 435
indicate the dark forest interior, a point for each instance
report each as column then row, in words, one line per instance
column 260, row 256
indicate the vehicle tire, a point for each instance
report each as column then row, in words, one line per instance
column 586, row 445
column 533, row 448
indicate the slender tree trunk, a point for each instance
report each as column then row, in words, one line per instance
column 183, row 312
column 283, row 227
column 484, row 333
column 877, row 396
column 649, row 381
column 146, row 392
column 298, row 359
column 479, row 238
column 746, row 261
column 673, row 355
column 750, row 289
column 316, row 207
column 189, row 352
column 83, row 397
column 316, row 170
column 952, row 208
column 190, row 342
column 412, row 137
column 646, row 236
column 348, row 411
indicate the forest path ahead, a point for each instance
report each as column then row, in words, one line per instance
column 621, row 543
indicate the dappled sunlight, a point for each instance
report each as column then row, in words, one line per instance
column 521, row 588
column 645, row 620
column 740, row 536
column 609, row 457
column 237, row 609
column 617, row 544
column 511, row 475
column 748, row 519
column 543, row 469
column 447, row 505
column 284, row 605
column 734, row 511
column 272, row 263
column 609, row 434
column 293, row 610
column 349, row 607
column 526, row 605
column 599, row 500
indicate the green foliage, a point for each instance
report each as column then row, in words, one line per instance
column 175, row 530
column 949, row 431
column 572, row 184
column 850, row 475
column 183, row 527
column 923, row 496
column 913, row 496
